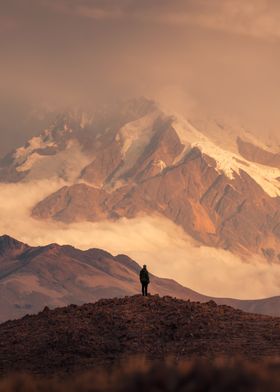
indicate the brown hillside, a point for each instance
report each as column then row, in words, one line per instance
column 78, row 338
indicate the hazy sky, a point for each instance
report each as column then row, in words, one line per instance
column 211, row 57
column 220, row 55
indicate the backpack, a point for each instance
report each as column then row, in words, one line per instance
column 144, row 276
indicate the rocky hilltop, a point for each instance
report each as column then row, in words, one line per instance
column 133, row 159
column 81, row 337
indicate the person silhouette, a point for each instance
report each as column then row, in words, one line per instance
column 144, row 279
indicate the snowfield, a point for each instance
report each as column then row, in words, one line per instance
column 227, row 161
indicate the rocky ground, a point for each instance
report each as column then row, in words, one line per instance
column 77, row 338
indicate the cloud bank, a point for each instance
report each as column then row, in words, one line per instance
column 155, row 241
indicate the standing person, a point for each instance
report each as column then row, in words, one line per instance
column 144, row 279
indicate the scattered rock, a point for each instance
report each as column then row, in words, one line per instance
column 76, row 338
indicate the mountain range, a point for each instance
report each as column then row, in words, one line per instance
column 54, row 276
column 130, row 159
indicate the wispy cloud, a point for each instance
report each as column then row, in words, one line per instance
column 221, row 53
column 258, row 18
column 99, row 13
column 96, row 10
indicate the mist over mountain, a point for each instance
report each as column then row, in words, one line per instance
column 133, row 159
column 198, row 205
column 219, row 59
column 190, row 173
column 54, row 276
column 139, row 133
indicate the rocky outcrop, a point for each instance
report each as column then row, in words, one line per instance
column 73, row 204
column 10, row 247
column 104, row 164
column 257, row 154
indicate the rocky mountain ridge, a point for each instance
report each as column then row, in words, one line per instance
column 54, row 275
column 136, row 160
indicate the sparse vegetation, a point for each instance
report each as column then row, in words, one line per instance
column 140, row 375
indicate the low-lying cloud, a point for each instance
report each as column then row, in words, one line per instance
column 159, row 243
column 257, row 18
column 219, row 59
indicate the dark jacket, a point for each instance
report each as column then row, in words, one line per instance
column 144, row 276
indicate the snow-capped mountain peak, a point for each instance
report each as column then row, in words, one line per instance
column 83, row 135
column 135, row 159
column 227, row 161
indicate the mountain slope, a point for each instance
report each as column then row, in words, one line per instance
column 76, row 338
column 71, row 142
column 134, row 159
column 53, row 275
